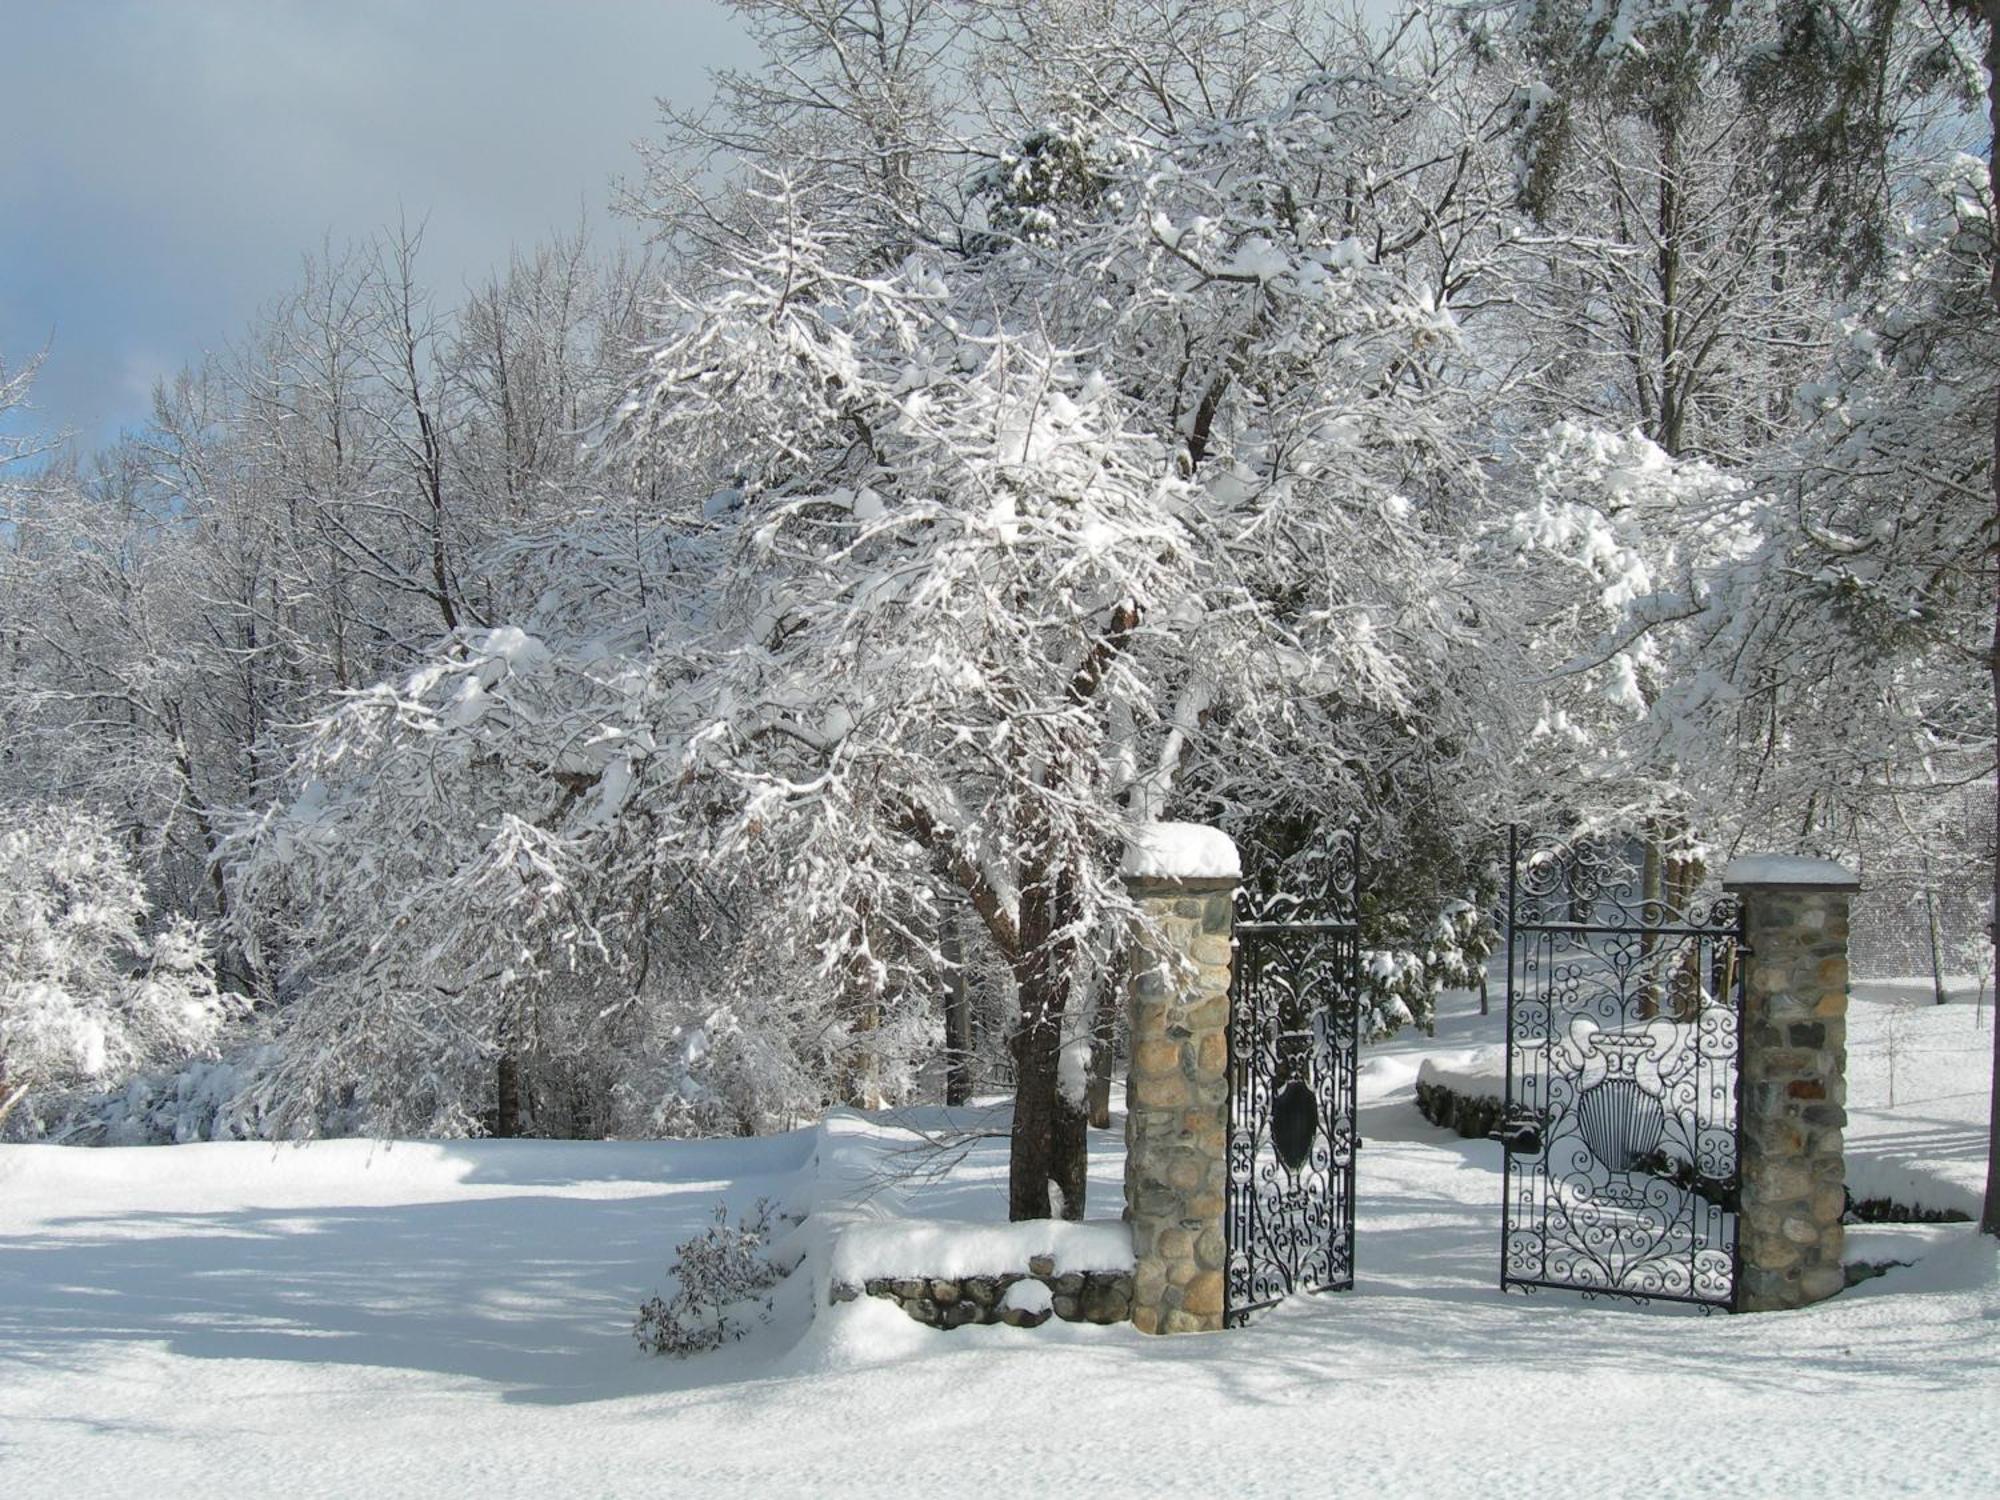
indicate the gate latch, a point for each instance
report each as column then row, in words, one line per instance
column 1520, row 1135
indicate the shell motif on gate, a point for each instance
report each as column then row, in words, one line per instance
column 1621, row 1088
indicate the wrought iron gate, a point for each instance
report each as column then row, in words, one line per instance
column 1293, row 1022
column 1624, row 1009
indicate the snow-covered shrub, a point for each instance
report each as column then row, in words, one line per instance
column 87, row 995
column 722, row 1276
column 1400, row 983
column 206, row 1099
column 1394, row 991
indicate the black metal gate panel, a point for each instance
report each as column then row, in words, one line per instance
column 1293, row 1034
column 1624, row 1011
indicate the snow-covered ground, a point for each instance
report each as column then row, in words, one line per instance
column 1919, row 1077
column 444, row 1319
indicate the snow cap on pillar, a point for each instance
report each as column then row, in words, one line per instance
column 1797, row 872
column 1180, row 852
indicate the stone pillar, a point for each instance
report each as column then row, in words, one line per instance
column 1794, row 1079
column 1177, row 1094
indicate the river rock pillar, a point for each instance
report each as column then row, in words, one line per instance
column 1793, row 1056
column 1183, row 878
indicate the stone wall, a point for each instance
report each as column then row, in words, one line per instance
column 954, row 1302
column 1177, row 1104
column 1794, row 1089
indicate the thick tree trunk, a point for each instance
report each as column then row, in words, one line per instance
column 507, row 1103
column 1046, row 1168
column 1047, row 1157
column 1047, row 1161
column 1070, row 1158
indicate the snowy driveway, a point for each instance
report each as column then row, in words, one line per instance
column 357, row 1320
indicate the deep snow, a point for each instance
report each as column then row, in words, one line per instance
column 441, row 1319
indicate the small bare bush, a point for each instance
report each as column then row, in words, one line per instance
column 723, row 1277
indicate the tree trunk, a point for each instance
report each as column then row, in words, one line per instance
column 957, row 1015
column 1651, row 897
column 1070, row 1150
column 9, row 1100
column 1938, row 994
column 1046, row 1158
column 1099, row 1111
column 1989, row 1218
column 1098, row 1100
column 1686, row 985
column 860, row 1082
column 1104, row 1040
column 860, row 1078
column 1049, row 1151
column 507, row 1089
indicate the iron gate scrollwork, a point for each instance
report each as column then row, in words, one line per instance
column 1293, row 1032
column 1624, row 1010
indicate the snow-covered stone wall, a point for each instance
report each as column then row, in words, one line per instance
column 1019, row 1299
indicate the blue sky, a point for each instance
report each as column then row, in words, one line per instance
column 165, row 163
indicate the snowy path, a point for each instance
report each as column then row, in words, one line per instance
column 440, row 1320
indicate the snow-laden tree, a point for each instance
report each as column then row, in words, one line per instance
column 397, row 1005
column 1679, row 288
column 296, row 519
column 1892, row 543
column 1212, row 314
column 1852, row 670
column 90, row 990
column 1222, row 600
column 1144, row 66
column 104, row 651
column 16, row 443
column 860, row 103
column 1900, row 484
column 1671, row 283
column 1664, row 308
column 1622, row 557
column 969, row 567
